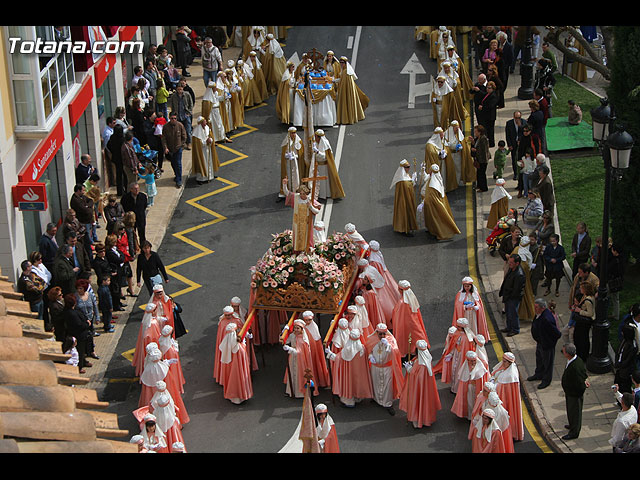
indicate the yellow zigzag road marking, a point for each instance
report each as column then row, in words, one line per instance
column 191, row 285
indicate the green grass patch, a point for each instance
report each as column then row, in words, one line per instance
column 579, row 189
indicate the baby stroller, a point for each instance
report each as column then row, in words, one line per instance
column 148, row 157
column 500, row 231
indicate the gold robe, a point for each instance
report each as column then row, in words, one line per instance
column 273, row 69
column 204, row 157
column 438, row 217
column 467, row 171
column 352, row 102
column 296, row 147
column 335, row 185
column 526, row 309
column 498, row 210
column 237, row 107
column 431, row 156
column 404, row 208
column 303, row 215
column 283, row 99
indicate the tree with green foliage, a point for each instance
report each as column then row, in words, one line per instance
column 623, row 95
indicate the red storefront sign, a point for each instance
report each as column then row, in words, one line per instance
column 40, row 159
column 127, row 33
column 30, row 196
column 103, row 67
column 78, row 105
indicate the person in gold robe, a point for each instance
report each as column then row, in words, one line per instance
column 438, row 217
column 460, row 150
column 445, row 40
column 237, row 101
column 351, row 102
column 404, row 204
column 253, row 42
column 526, row 309
column 224, row 96
column 453, row 79
column 291, row 154
column 332, row 65
column 459, row 66
column 423, row 33
column 444, row 105
column 304, row 212
column 437, row 152
column 499, row 204
column 203, row 154
column 258, row 75
column 274, row 64
column 323, row 156
column 211, row 111
column 286, row 91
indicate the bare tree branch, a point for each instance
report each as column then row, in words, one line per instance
column 593, row 60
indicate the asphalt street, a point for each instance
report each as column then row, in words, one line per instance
column 244, row 201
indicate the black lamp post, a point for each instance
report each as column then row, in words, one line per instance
column 616, row 151
column 525, row 92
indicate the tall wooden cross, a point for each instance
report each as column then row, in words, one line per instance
column 316, row 57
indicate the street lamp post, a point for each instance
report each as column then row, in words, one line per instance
column 616, row 150
column 525, row 92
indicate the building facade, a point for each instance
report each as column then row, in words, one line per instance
column 54, row 104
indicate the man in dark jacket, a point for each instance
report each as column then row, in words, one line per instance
column 544, row 187
column 64, row 272
column 574, row 383
column 512, row 291
column 546, row 334
column 135, row 201
column 580, row 246
column 48, row 246
column 513, row 131
column 83, row 206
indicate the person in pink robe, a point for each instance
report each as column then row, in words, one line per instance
column 241, row 313
column 481, row 350
column 363, row 314
column 149, row 332
column 300, row 360
column 443, row 365
column 340, row 335
column 169, row 348
column 419, row 397
column 385, row 363
column 471, row 381
column 234, row 367
column 507, row 380
column 326, row 429
column 407, row 320
column 463, row 342
column 502, row 420
column 225, row 319
column 318, row 360
column 165, row 411
column 351, row 380
column 468, row 304
column 154, row 439
column 165, row 304
column 155, row 369
column 389, row 293
column 482, row 402
column 487, row 437
column 370, row 282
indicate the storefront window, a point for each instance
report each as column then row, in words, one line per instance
column 24, row 100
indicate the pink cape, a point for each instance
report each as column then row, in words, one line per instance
column 236, row 376
column 222, row 325
column 319, row 363
column 175, row 369
column 351, row 379
column 509, row 393
column 374, row 309
column 460, row 405
column 405, row 322
column 149, row 335
column 420, row 398
column 481, row 319
column 331, row 442
column 480, row 445
column 305, row 361
column 395, row 363
column 389, row 294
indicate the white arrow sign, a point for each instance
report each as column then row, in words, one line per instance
column 412, row 68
